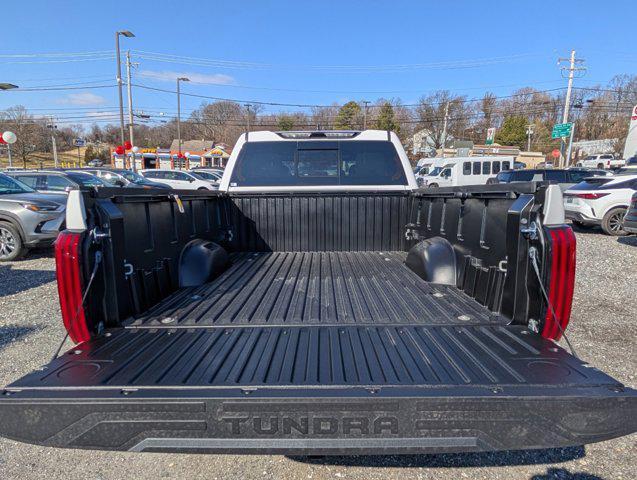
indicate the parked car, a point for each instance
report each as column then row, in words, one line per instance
column 605, row 160
column 324, row 305
column 458, row 171
column 58, row 181
column 121, row 177
column 179, row 179
column 96, row 162
column 630, row 220
column 211, row 174
column 27, row 218
column 601, row 201
column 565, row 178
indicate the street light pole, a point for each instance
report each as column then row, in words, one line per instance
column 529, row 132
column 130, row 105
column 180, row 79
column 128, row 34
column 248, row 105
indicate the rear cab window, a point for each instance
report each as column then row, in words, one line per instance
column 307, row 163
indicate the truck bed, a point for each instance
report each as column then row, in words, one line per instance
column 317, row 288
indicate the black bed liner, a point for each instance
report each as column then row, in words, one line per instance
column 317, row 288
column 317, row 390
column 347, row 356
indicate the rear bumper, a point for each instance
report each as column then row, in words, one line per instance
column 582, row 218
column 319, row 421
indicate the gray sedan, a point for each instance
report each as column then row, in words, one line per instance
column 27, row 218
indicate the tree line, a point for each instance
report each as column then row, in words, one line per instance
column 599, row 112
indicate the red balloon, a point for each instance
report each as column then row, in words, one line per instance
column 128, row 145
column 2, row 140
column 120, row 150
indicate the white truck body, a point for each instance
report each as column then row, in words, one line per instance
column 228, row 182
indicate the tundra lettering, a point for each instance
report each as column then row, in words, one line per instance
column 312, row 425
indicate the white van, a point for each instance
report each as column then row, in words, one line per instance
column 426, row 167
column 455, row 171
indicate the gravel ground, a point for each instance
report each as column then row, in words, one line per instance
column 602, row 332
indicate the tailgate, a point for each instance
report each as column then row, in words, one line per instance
column 317, row 390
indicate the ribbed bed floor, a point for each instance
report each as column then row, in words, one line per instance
column 317, row 288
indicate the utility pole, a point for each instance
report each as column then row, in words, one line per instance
column 130, row 101
column 529, row 132
column 444, row 129
column 53, row 126
column 128, row 34
column 572, row 68
column 365, row 103
column 180, row 79
column 248, row 105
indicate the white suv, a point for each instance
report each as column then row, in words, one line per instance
column 601, row 201
column 178, row 179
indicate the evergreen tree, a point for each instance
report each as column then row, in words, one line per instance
column 348, row 116
column 386, row 119
column 513, row 132
column 285, row 123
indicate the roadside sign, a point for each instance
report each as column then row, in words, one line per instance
column 555, row 153
column 490, row 136
column 561, row 130
column 79, row 142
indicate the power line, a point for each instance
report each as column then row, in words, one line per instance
column 454, row 64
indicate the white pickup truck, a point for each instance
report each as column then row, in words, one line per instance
column 317, row 303
column 605, row 160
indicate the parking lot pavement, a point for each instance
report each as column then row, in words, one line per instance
column 602, row 331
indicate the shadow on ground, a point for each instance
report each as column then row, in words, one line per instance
column 11, row 333
column 564, row 474
column 453, row 460
column 629, row 240
column 14, row 280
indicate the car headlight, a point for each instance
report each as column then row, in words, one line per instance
column 39, row 207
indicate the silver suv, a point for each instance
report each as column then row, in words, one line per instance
column 27, row 218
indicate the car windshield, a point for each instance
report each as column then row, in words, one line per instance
column 504, row 177
column 10, row 185
column 197, row 176
column 87, row 180
column 435, row 171
column 207, row 175
column 132, row 176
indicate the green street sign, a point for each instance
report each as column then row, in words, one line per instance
column 561, row 130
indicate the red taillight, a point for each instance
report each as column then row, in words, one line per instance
column 562, row 281
column 588, row 196
column 69, row 277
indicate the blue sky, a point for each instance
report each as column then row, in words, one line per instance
column 303, row 52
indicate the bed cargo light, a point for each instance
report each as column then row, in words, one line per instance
column 69, row 279
column 562, row 281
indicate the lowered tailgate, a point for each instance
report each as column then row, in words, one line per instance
column 317, row 390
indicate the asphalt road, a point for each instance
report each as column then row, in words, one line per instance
column 602, row 331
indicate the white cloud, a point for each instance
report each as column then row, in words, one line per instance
column 168, row 76
column 86, row 98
